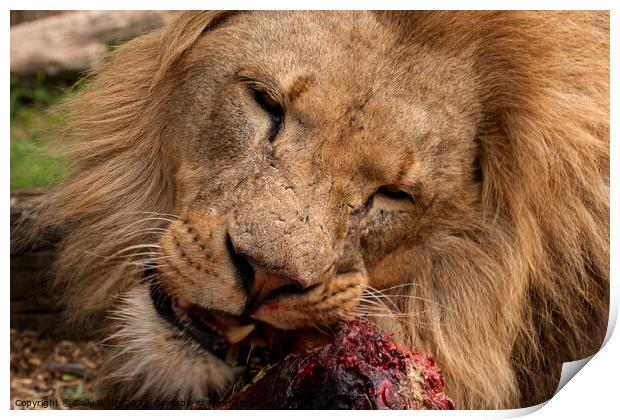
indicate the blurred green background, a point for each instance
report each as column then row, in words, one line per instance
column 33, row 119
column 50, row 52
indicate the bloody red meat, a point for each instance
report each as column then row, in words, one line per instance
column 359, row 369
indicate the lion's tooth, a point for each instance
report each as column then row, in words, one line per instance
column 237, row 333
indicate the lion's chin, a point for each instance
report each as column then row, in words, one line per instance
column 152, row 358
column 148, row 350
column 230, row 338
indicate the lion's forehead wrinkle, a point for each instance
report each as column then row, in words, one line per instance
column 331, row 106
column 283, row 44
column 299, row 86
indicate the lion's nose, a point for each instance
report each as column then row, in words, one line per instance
column 260, row 281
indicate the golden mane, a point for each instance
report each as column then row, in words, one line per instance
column 544, row 161
column 121, row 168
column 540, row 255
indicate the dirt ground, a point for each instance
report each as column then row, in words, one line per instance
column 44, row 369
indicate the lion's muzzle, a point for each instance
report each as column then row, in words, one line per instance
column 216, row 291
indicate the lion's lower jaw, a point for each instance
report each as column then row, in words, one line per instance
column 152, row 360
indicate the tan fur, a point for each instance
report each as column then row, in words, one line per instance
column 497, row 123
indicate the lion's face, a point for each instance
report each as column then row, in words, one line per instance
column 299, row 183
column 290, row 170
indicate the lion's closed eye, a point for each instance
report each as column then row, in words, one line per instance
column 392, row 198
column 395, row 194
column 270, row 103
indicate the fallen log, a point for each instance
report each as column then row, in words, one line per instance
column 22, row 16
column 35, row 304
column 72, row 43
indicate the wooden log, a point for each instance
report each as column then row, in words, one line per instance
column 75, row 42
column 35, row 305
column 22, row 16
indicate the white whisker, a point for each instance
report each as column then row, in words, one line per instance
column 146, row 219
column 153, row 213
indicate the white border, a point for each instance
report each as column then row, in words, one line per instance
column 593, row 394
column 305, row 4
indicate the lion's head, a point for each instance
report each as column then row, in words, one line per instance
column 444, row 173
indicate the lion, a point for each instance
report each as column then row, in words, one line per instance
column 444, row 174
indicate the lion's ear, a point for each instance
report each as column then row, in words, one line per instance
column 180, row 34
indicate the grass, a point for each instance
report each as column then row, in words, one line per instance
column 32, row 120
